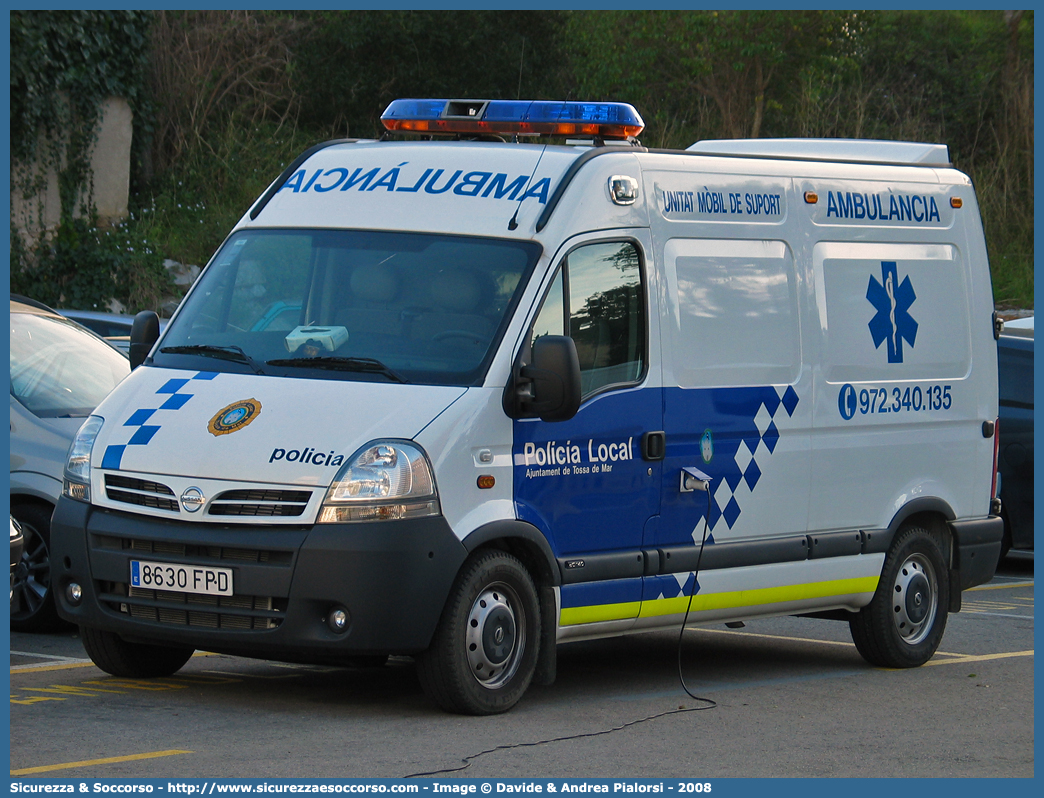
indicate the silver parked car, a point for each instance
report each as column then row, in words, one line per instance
column 16, row 549
column 59, row 372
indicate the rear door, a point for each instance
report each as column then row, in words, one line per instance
column 737, row 406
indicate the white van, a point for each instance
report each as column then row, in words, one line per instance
column 462, row 398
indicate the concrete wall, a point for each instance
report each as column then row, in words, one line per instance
column 110, row 159
column 110, row 165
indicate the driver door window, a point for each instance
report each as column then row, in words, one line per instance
column 598, row 299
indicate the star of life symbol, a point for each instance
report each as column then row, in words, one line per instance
column 892, row 324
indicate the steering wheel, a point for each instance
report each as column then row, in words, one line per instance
column 471, row 336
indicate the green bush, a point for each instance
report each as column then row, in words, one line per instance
column 191, row 209
column 84, row 266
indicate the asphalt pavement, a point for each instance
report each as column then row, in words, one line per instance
column 786, row 697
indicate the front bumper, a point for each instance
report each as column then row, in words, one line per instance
column 391, row 577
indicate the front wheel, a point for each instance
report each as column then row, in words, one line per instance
column 904, row 623
column 116, row 656
column 32, row 602
column 484, row 652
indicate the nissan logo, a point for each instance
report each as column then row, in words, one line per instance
column 192, row 499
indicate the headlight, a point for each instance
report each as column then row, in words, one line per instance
column 385, row 480
column 78, row 466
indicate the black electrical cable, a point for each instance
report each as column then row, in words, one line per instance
column 685, row 620
column 468, row 759
column 707, row 703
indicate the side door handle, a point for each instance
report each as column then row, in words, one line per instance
column 654, row 445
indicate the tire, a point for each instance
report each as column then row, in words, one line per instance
column 32, row 603
column 116, row 656
column 484, row 652
column 904, row 623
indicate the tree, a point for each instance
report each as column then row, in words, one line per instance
column 738, row 63
column 352, row 64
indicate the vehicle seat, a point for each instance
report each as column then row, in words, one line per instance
column 456, row 299
column 372, row 312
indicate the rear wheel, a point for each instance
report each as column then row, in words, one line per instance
column 904, row 623
column 484, row 652
column 32, row 604
column 116, row 656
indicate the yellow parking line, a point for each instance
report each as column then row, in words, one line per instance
column 953, row 657
column 999, row 587
column 960, row 658
column 88, row 762
column 19, row 669
column 843, row 643
column 42, row 668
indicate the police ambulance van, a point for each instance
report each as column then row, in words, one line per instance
column 466, row 394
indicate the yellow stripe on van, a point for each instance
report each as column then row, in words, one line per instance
column 760, row 596
column 572, row 616
column 600, row 612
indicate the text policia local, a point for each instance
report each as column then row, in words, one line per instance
column 573, row 458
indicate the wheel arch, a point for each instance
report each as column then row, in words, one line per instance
column 931, row 512
column 30, row 496
column 24, row 481
column 528, row 544
column 523, row 541
column 935, row 515
column 31, row 500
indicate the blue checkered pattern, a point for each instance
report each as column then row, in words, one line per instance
column 172, row 396
column 743, row 471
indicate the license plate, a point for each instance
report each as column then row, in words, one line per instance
column 181, row 578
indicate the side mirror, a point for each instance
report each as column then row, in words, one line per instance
column 548, row 388
column 144, row 333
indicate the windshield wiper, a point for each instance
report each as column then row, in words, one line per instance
column 340, row 364
column 230, row 352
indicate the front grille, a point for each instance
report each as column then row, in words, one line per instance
column 191, row 609
column 260, row 502
column 197, row 553
column 141, row 492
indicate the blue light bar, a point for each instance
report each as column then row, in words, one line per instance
column 517, row 117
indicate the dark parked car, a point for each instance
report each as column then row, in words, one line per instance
column 115, row 328
column 1015, row 457
column 59, row 372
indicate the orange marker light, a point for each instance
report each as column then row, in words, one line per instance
column 486, row 481
column 811, row 197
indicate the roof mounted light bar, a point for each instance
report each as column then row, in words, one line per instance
column 513, row 117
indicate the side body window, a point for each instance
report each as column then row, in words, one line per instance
column 598, row 299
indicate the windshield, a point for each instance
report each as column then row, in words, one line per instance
column 59, row 369
column 342, row 304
